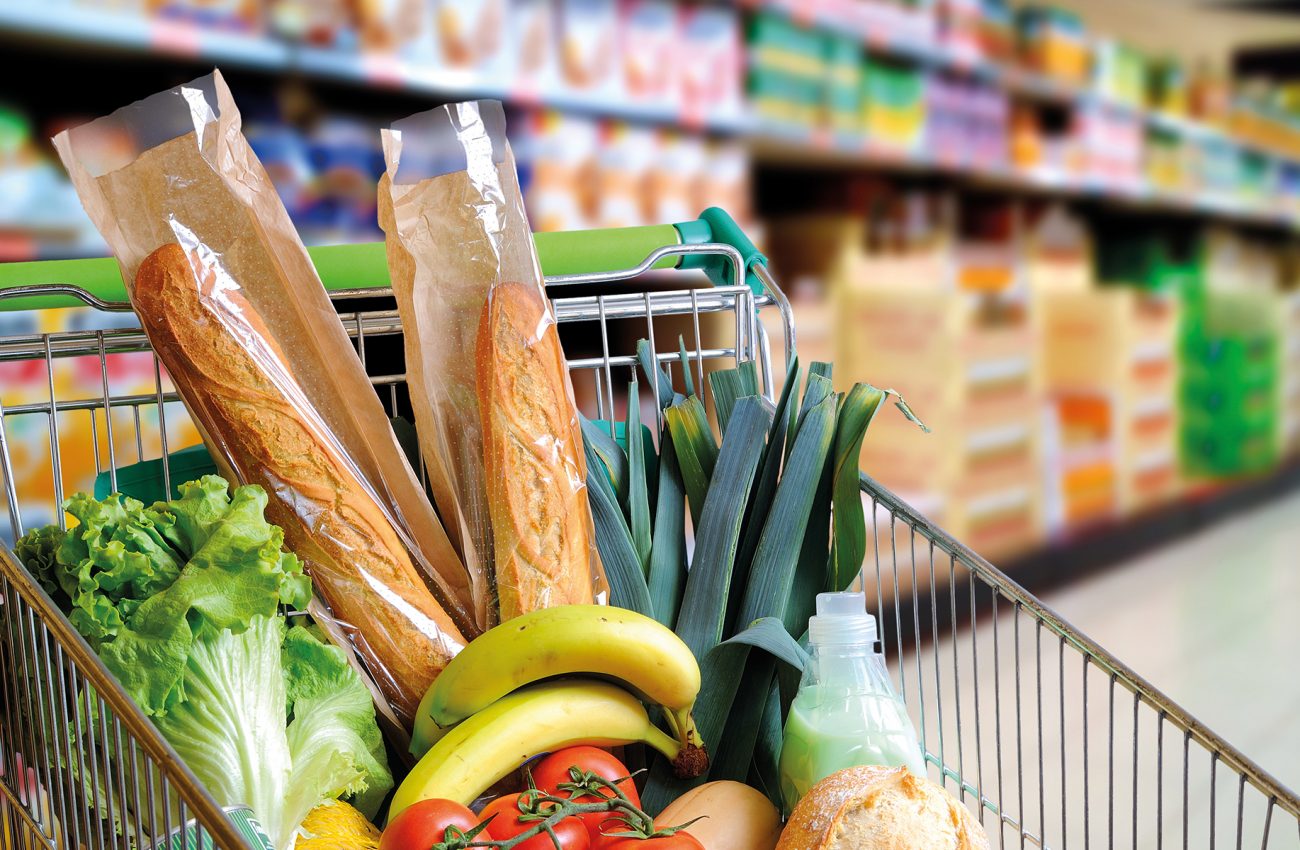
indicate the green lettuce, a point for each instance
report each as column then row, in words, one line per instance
column 230, row 727
column 182, row 600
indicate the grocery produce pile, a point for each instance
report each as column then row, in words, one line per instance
column 315, row 626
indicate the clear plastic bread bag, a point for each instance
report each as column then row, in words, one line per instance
column 498, row 427
column 234, row 309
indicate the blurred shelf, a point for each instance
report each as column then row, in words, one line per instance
column 87, row 25
column 892, row 39
column 788, row 146
column 64, row 23
column 77, row 26
column 1108, row 543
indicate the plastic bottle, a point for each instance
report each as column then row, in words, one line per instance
column 846, row 712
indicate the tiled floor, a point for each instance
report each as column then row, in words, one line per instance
column 1062, row 749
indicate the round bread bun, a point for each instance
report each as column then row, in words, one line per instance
column 880, row 808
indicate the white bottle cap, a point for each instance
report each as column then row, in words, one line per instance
column 842, row 619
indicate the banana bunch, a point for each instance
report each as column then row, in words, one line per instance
column 499, row 702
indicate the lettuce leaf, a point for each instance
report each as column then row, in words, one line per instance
column 230, row 728
column 336, row 746
column 138, row 583
column 182, row 601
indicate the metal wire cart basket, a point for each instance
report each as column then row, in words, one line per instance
column 1050, row 739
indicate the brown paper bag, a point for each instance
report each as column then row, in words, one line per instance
column 234, row 309
column 458, row 238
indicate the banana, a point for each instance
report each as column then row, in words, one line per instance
column 594, row 640
column 479, row 752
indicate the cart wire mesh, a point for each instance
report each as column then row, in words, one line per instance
column 1049, row 739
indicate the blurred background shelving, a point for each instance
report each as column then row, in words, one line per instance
column 1066, row 231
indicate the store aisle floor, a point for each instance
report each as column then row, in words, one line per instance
column 1214, row 622
column 1056, row 745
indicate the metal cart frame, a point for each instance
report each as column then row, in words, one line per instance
column 1049, row 738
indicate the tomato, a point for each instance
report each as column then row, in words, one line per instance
column 554, row 769
column 676, row 841
column 423, row 824
column 506, row 824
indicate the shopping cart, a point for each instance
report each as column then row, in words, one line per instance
column 1050, row 739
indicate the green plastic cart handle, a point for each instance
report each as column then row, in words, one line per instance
column 366, row 267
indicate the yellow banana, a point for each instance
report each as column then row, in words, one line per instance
column 592, row 640
column 477, row 753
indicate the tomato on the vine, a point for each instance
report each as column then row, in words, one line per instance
column 507, row 824
column 424, row 824
column 550, row 772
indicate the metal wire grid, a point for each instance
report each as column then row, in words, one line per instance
column 1054, row 742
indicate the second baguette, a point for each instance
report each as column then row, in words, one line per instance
column 533, row 463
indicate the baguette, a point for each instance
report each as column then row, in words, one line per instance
column 533, row 462
column 238, row 383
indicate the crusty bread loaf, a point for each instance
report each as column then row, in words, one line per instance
column 880, row 808
column 532, row 451
column 239, row 384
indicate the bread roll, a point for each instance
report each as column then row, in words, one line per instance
column 532, row 453
column 880, row 808
column 240, row 386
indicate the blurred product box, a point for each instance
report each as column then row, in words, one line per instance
column 675, row 171
column 965, row 366
column 626, row 155
column 899, row 22
column 997, row 32
column 579, row 173
column 712, row 76
column 894, row 106
column 1112, row 142
column 321, row 23
column 237, row 15
column 961, row 30
column 966, row 124
column 589, row 48
column 1120, row 74
column 1052, row 153
column 790, row 72
column 843, row 88
column 557, row 157
column 1168, row 165
column 1229, row 393
column 534, row 48
column 472, row 36
column 1053, row 41
column 1109, row 361
column 649, row 42
column 1170, row 88
column 1056, row 251
column 1289, row 421
column 397, row 31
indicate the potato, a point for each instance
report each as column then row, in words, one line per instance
column 735, row 817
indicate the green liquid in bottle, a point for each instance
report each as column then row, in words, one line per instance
column 829, row 729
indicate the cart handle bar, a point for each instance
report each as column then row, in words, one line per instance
column 358, row 269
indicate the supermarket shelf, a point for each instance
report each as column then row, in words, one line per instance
column 131, row 32
column 786, row 146
column 90, row 25
column 1099, row 547
column 1106, row 544
column 878, row 37
column 59, row 23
